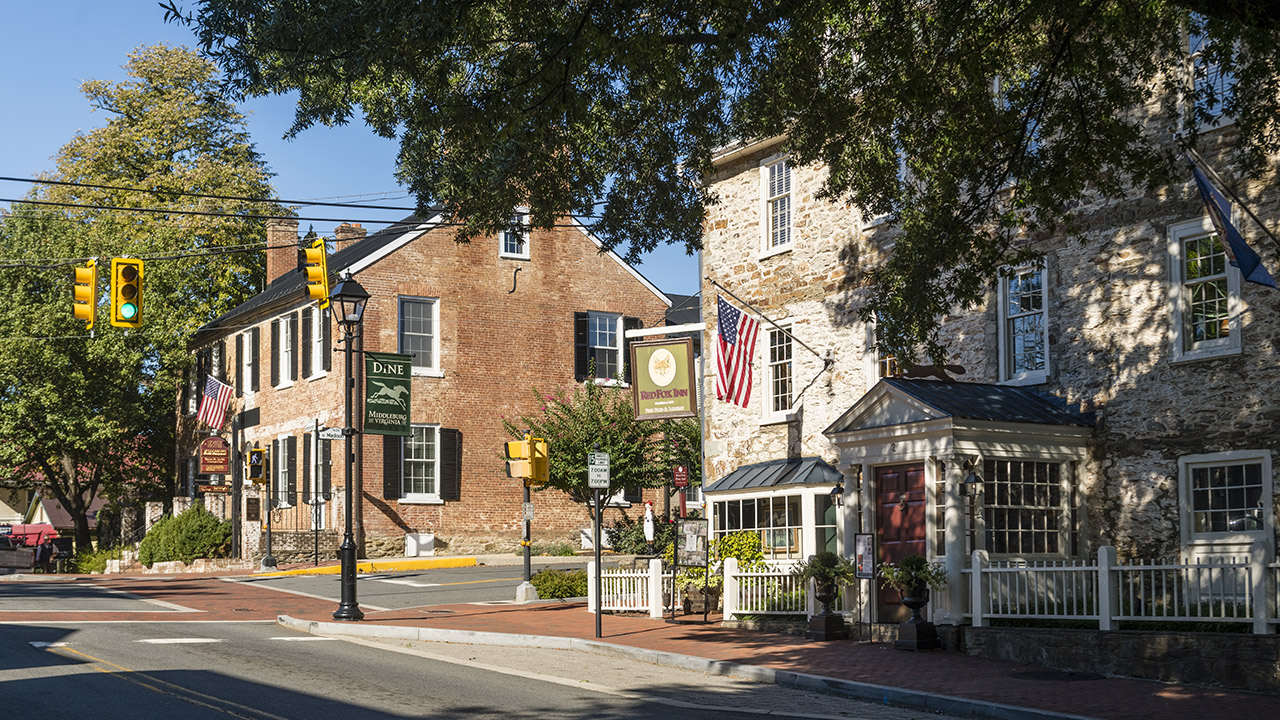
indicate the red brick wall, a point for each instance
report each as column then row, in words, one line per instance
column 496, row 348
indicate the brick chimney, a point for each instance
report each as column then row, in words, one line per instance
column 346, row 234
column 281, row 260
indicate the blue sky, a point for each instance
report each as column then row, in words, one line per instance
column 51, row 47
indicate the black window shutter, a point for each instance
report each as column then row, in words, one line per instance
column 222, row 360
column 239, row 363
column 202, row 369
column 293, row 330
column 633, row 494
column 306, row 342
column 255, row 357
column 292, row 443
column 306, row 468
column 325, row 481
column 628, row 323
column 450, row 464
column 275, row 352
column 391, row 467
column 326, row 347
column 186, row 391
column 581, row 351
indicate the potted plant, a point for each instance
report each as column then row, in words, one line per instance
column 913, row 578
column 828, row 572
column 701, row 589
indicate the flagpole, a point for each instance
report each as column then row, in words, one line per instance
column 1197, row 157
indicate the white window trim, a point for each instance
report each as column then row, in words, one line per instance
column 871, row 357
column 433, row 370
column 285, row 337
column 422, row 498
column 279, row 447
column 767, row 415
column 502, row 249
column 318, row 319
column 1189, row 78
column 619, row 347
column 1235, row 540
column 246, row 362
column 766, row 251
column 1232, row 344
column 1032, row 377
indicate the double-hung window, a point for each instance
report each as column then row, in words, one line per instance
column 284, row 350
column 313, row 341
column 1210, row 84
column 604, row 342
column 420, row 333
column 1025, row 508
column 1226, row 497
column 1024, row 327
column 515, row 244
column 779, row 374
column 248, row 355
column 777, row 206
column 1205, row 293
column 420, row 472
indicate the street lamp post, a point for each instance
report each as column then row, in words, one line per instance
column 349, row 299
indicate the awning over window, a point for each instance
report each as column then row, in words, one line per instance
column 786, row 471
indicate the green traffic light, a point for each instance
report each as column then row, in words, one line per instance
column 128, row 311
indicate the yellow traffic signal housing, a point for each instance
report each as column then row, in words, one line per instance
column 126, row 292
column 541, row 460
column 519, row 462
column 84, row 294
column 257, row 466
column 317, row 273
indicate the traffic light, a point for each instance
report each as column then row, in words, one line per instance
column 519, row 462
column 126, row 292
column 84, row 294
column 317, row 273
column 541, row 460
column 257, row 466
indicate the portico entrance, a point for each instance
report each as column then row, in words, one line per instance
column 900, row 526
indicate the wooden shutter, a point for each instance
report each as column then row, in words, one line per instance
column 255, row 357
column 275, row 352
column 294, row 356
column 633, row 494
column 306, row 342
column 292, row 443
column 325, row 482
column 581, row 351
column 391, row 467
column 450, row 464
column 185, row 400
column 306, row 467
column 326, row 342
column 239, row 363
column 628, row 323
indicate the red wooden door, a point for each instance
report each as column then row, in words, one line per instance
column 900, row 524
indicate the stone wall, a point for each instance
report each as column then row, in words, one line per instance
column 1111, row 334
column 1231, row 660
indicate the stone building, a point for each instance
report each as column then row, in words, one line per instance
column 490, row 323
column 1123, row 393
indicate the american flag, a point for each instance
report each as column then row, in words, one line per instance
column 213, row 408
column 734, row 351
column 1238, row 251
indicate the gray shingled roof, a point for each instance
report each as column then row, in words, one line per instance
column 997, row 403
column 786, row 471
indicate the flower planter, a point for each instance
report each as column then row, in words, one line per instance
column 917, row 633
column 698, row 600
column 827, row 625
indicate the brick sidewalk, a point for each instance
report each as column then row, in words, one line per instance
column 940, row 672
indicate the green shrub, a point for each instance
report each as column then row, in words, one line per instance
column 560, row 583
column 91, row 561
column 196, row 533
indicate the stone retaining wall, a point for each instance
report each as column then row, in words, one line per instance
column 1231, row 660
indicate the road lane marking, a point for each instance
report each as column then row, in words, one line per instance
column 401, row 581
column 313, row 596
column 159, row 686
column 38, row 644
column 179, row 641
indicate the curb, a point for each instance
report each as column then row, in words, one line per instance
column 376, row 566
column 866, row 692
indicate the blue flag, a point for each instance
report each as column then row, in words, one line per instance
column 1241, row 255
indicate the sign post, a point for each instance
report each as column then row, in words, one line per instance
column 864, row 562
column 598, row 479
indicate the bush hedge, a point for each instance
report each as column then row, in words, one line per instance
column 195, row 533
column 560, row 583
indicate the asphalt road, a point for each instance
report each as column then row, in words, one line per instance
column 259, row 671
column 393, row 591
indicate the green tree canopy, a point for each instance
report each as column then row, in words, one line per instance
column 86, row 414
column 641, row 452
column 615, row 110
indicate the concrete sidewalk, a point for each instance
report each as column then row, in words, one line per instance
column 940, row 681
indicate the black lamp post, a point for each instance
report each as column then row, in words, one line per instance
column 348, row 300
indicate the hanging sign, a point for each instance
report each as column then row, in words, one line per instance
column 663, row 384
column 215, row 456
column 386, row 393
column 680, row 476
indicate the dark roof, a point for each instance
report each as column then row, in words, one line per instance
column 294, row 280
column 998, row 403
column 684, row 309
column 787, row 471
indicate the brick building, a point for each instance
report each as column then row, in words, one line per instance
column 1123, row 393
column 488, row 322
